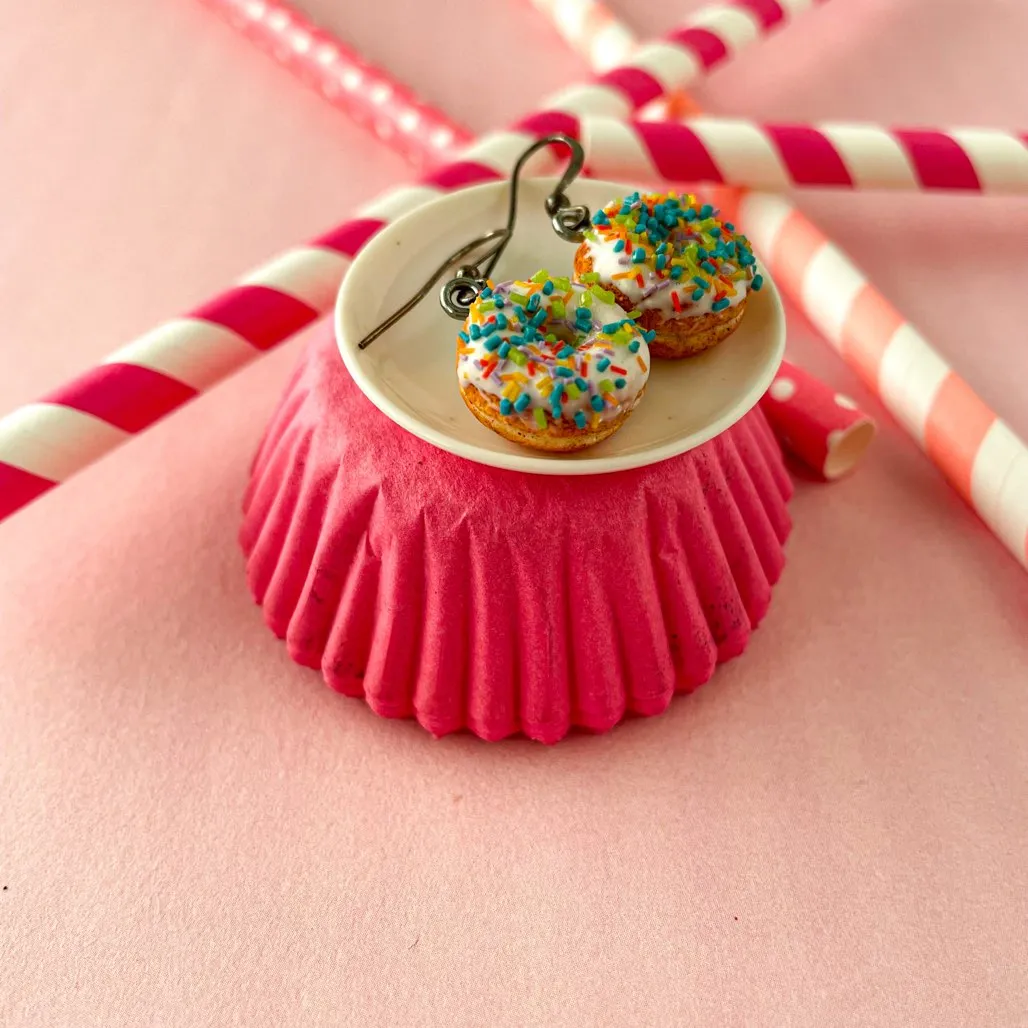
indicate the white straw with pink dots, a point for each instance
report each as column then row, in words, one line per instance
column 368, row 95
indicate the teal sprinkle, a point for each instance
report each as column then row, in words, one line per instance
column 506, row 406
column 619, row 246
column 596, row 403
column 465, row 338
column 706, row 211
column 729, row 226
column 558, row 411
column 581, row 383
column 701, row 282
column 557, row 393
column 504, row 349
column 677, row 272
column 610, row 329
column 489, row 329
column 566, row 352
column 619, row 383
column 492, row 343
column 516, row 340
column 709, row 268
column 499, row 301
column 486, row 293
column 697, row 294
column 701, row 253
column 522, row 402
column 648, row 336
column 661, row 261
column 602, row 364
column 501, row 320
column 476, row 331
column 533, row 302
column 547, row 287
column 633, row 346
column 690, row 214
column 758, row 281
column 599, row 218
column 639, row 255
column 719, row 305
column 539, row 317
column 580, row 419
column 715, row 231
column 564, row 372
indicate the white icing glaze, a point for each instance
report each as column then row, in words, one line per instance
column 663, row 230
column 601, row 364
column 607, row 263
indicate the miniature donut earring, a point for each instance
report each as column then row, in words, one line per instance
column 545, row 362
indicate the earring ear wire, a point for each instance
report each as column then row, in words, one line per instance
column 460, row 292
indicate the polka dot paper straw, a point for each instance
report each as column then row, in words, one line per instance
column 777, row 157
column 977, row 452
column 368, row 95
column 44, row 443
column 823, row 429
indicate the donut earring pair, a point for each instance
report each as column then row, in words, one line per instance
column 544, row 361
column 558, row 363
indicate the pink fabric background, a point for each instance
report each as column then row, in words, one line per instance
column 195, row 831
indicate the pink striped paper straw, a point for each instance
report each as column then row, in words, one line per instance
column 43, row 443
column 776, row 157
column 977, row 452
column 368, row 95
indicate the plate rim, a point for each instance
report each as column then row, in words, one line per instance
column 528, row 461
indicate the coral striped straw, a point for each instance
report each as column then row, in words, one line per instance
column 777, row 157
column 388, row 109
column 44, row 443
column 977, row 452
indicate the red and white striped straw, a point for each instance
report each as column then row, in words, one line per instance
column 369, row 96
column 977, row 452
column 44, row 443
column 776, row 157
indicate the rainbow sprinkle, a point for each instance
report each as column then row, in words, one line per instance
column 665, row 237
column 541, row 349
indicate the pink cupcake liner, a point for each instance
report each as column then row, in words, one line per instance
column 472, row 597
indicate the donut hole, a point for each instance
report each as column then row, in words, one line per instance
column 566, row 335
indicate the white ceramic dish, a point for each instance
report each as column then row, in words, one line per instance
column 409, row 373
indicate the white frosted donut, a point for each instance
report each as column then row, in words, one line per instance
column 667, row 257
column 551, row 364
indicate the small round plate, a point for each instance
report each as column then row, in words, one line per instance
column 409, row 372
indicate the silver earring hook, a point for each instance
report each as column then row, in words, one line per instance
column 460, row 292
column 455, row 291
column 568, row 222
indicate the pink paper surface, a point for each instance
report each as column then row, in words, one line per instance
column 193, row 830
